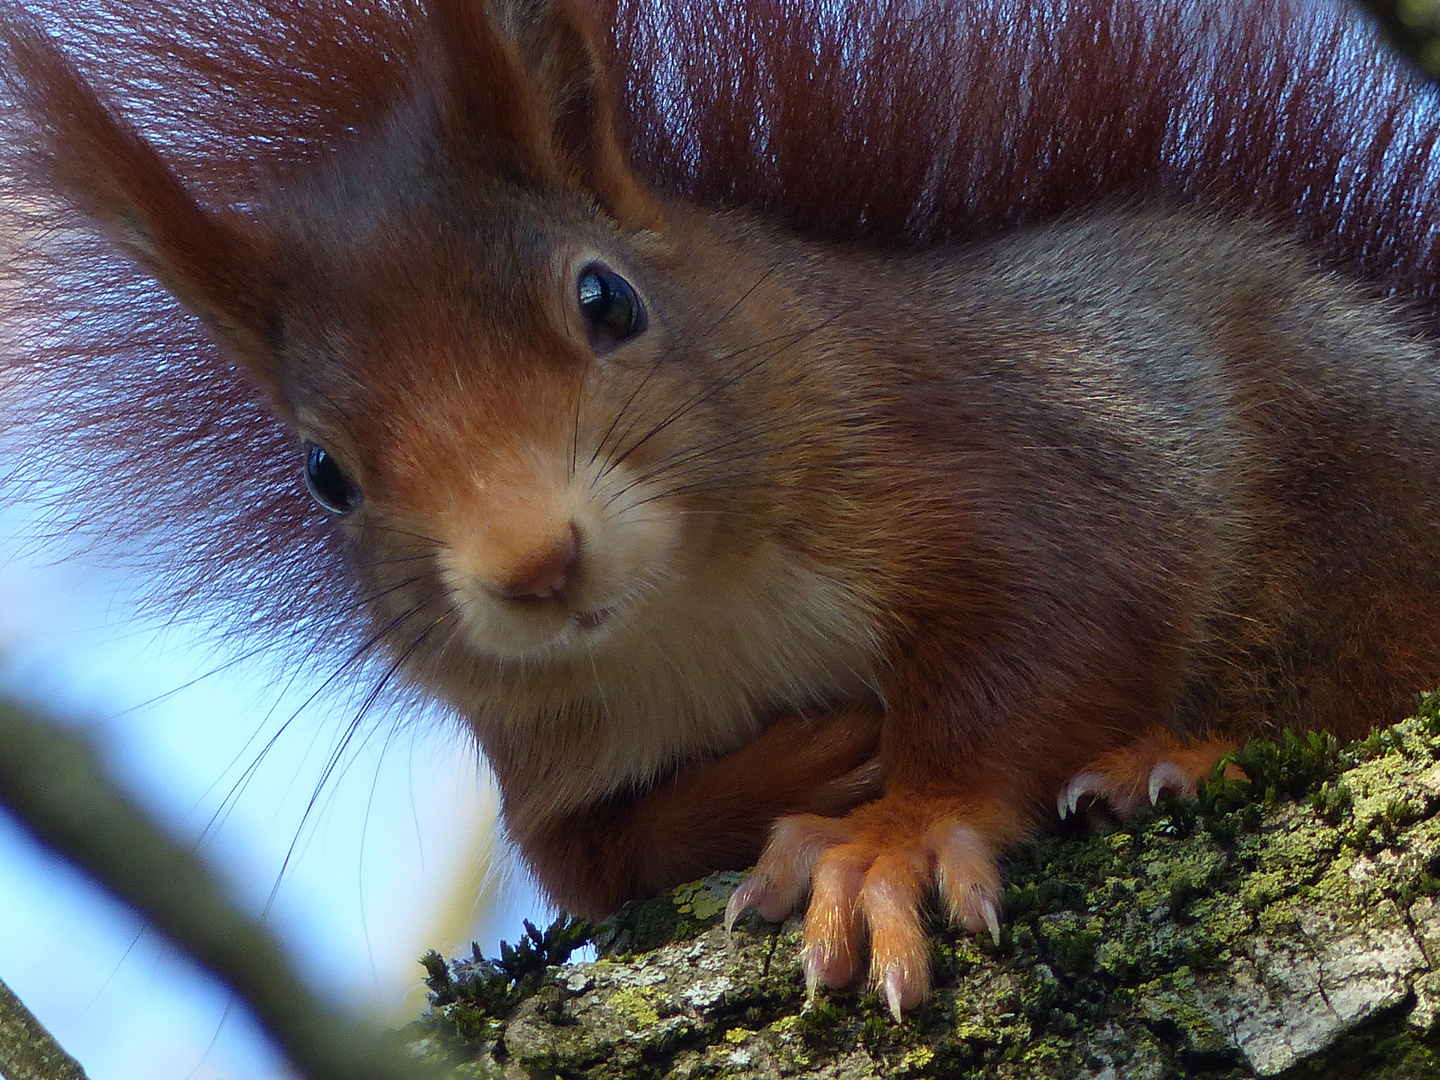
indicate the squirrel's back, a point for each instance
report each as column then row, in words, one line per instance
column 1280, row 442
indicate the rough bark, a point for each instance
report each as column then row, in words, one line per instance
column 1284, row 928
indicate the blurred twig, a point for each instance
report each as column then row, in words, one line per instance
column 51, row 781
column 27, row 1050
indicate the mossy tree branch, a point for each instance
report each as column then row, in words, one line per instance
column 1283, row 928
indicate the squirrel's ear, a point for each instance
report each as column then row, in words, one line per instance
column 217, row 265
column 529, row 76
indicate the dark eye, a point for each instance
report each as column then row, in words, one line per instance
column 327, row 481
column 610, row 305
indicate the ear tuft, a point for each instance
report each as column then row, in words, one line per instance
column 216, row 265
column 487, row 103
column 569, row 54
column 530, row 78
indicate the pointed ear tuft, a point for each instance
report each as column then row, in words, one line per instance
column 485, row 99
column 531, row 75
column 217, row 265
column 568, row 50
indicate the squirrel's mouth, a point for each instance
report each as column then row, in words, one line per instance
column 590, row 620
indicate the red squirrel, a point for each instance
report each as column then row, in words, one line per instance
column 827, row 435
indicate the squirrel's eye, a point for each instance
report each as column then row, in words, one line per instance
column 332, row 489
column 610, row 305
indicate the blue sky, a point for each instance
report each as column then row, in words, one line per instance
column 391, row 861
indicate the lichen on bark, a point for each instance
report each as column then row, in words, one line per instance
column 1283, row 927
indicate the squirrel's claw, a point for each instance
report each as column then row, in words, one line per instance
column 782, row 875
column 1084, row 784
column 1167, row 775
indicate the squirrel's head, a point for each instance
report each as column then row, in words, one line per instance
column 470, row 319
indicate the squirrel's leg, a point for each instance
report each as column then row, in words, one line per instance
column 869, row 874
column 1133, row 777
column 712, row 817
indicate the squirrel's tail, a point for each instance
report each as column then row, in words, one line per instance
column 928, row 121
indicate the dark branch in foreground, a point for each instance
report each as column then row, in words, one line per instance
column 1413, row 27
column 52, row 783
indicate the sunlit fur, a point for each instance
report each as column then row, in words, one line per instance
column 862, row 521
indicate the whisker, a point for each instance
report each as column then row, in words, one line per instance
column 358, row 654
column 575, row 427
column 690, row 334
column 338, row 754
column 785, row 341
column 729, row 312
column 625, row 408
column 228, row 803
column 710, row 483
column 226, row 665
column 393, row 531
column 703, row 452
column 366, row 601
column 370, row 564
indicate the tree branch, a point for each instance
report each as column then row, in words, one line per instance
column 27, row 1050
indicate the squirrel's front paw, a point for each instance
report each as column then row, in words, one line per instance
column 868, row 875
column 1134, row 776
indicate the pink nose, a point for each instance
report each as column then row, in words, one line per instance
column 543, row 570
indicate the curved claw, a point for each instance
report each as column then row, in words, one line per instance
column 759, row 892
column 1168, row 775
column 780, row 879
column 1083, row 784
column 1152, row 764
column 894, row 988
column 990, row 911
column 813, row 969
column 740, row 902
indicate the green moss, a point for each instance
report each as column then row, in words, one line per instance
column 678, row 915
column 704, row 900
column 637, row 1005
column 1427, row 712
column 824, row 1028
column 1332, row 801
column 477, row 989
column 1291, row 768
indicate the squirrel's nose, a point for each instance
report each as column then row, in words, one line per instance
column 543, row 569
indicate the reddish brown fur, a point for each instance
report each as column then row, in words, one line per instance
column 1037, row 496
column 1304, row 120
column 710, row 818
